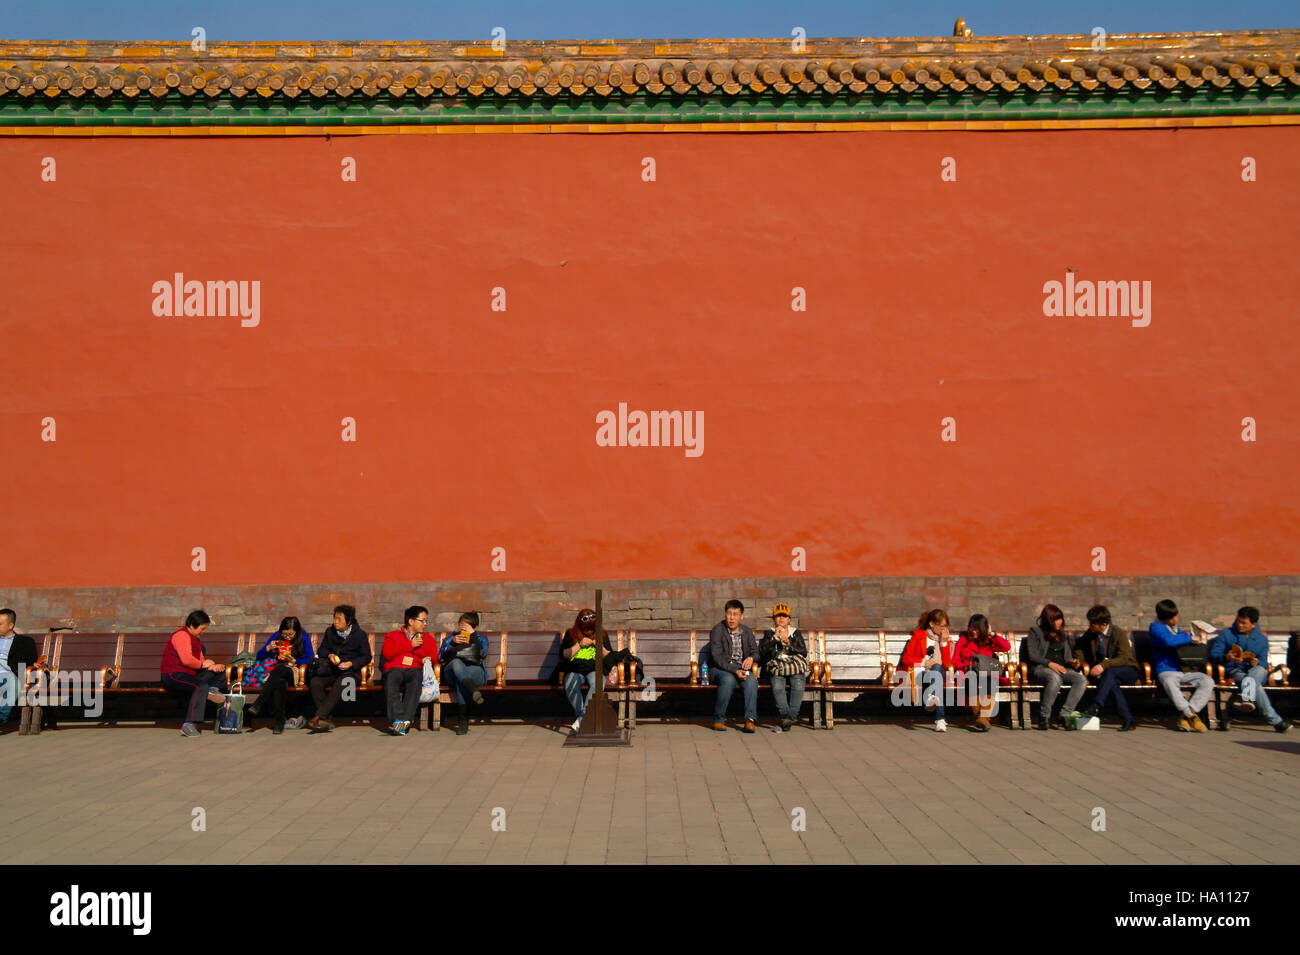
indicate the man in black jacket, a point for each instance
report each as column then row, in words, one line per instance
column 344, row 651
column 17, row 653
column 1106, row 654
column 734, row 650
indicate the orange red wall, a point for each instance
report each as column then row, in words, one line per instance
column 476, row 429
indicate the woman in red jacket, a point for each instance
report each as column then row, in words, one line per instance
column 979, row 641
column 930, row 651
column 186, row 669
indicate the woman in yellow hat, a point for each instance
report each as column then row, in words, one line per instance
column 784, row 656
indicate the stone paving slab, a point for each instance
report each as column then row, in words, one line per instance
column 682, row 794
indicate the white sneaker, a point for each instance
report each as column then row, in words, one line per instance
column 575, row 724
column 941, row 726
column 931, row 702
column 1243, row 706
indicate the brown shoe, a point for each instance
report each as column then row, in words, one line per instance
column 749, row 726
column 1185, row 723
column 720, row 727
column 1197, row 725
column 982, row 725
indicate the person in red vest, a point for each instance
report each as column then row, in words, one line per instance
column 186, row 669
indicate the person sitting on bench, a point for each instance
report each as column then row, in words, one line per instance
column 927, row 656
column 187, row 670
column 734, row 649
column 1171, row 672
column 1053, row 664
column 980, row 641
column 1106, row 654
column 785, row 658
column 344, row 651
column 285, row 647
column 578, row 649
column 404, row 652
column 1242, row 650
column 17, row 653
column 464, row 663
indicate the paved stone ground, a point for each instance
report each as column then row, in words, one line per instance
column 875, row 793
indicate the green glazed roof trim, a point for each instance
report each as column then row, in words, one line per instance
column 1027, row 105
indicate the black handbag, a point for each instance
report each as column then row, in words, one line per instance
column 979, row 663
column 471, row 654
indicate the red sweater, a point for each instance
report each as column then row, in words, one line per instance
column 183, row 653
column 966, row 648
column 914, row 652
column 397, row 646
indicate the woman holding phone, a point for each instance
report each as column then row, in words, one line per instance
column 977, row 652
column 930, row 652
column 273, row 674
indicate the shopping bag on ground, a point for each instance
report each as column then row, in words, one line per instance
column 230, row 714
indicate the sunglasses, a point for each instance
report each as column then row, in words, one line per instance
column 587, row 618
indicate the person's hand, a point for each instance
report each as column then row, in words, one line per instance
column 1096, row 671
column 747, row 663
column 461, row 637
column 1056, row 668
column 345, row 666
column 587, row 641
column 1234, row 654
column 742, row 675
column 334, row 659
column 417, row 640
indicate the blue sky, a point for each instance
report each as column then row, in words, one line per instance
column 558, row 19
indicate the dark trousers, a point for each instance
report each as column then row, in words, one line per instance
column 1110, row 682
column 402, row 693
column 274, row 693
column 326, row 691
column 196, row 687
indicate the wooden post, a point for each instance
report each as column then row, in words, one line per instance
column 599, row 726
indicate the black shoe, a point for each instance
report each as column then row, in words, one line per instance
column 1056, row 723
column 1091, row 711
column 469, row 691
column 1042, row 723
column 1281, row 727
column 1128, row 725
column 786, row 724
column 462, row 725
column 1067, row 725
column 278, row 728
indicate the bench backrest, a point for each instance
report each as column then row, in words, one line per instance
column 533, row 655
column 854, row 655
column 666, row 654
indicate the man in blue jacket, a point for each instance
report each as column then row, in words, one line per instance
column 1165, row 640
column 1229, row 649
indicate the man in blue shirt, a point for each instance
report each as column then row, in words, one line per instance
column 1229, row 649
column 1165, row 640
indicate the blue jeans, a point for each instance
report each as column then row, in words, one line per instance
column 9, row 690
column 931, row 683
column 1263, row 706
column 573, row 690
column 726, row 686
column 789, row 711
column 458, row 671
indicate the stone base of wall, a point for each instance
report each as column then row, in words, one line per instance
column 890, row 603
